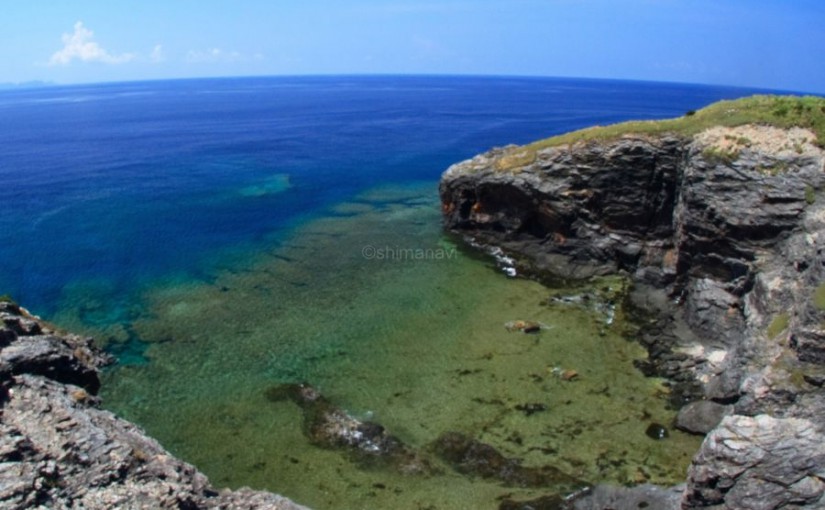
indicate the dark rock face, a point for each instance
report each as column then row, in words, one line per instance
column 728, row 257
column 569, row 203
column 59, row 450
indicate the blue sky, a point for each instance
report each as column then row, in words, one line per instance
column 776, row 44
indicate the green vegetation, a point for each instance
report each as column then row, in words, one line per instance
column 5, row 298
column 779, row 111
column 776, row 168
column 778, row 325
column 819, row 297
column 810, row 198
column 719, row 155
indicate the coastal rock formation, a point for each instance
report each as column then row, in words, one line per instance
column 58, row 450
column 723, row 233
column 329, row 426
column 759, row 462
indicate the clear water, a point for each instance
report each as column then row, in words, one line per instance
column 224, row 236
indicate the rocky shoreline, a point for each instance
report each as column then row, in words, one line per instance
column 59, row 450
column 723, row 235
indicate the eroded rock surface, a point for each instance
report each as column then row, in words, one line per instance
column 760, row 463
column 58, row 450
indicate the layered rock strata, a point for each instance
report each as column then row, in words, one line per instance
column 723, row 233
column 59, row 450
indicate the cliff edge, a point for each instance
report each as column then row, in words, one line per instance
column 719, row 219
column 58, row 450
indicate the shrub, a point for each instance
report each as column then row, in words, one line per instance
column 819, row 297
column 778, row 325
column 810, row 197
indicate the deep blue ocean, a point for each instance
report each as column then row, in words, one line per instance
column 124, row 183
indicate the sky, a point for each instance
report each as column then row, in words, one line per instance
column 776, row 44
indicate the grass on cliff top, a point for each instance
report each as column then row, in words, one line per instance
column 778, row 111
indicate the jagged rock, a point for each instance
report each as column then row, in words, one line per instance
column 51, row 357
column 58, row 450
column 702, row 416
column 759, row 463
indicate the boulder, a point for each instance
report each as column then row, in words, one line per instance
column 701, row 417
column 759, row 463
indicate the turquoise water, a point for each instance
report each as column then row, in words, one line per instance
column 419, row 345
column 221, row 237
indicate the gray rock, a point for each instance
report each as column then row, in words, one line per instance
column 701, row 417
column 58, row 450
column 648, row 496
column 759, row 463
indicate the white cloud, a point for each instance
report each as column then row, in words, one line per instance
column 213, row 55
column 157, row 54
column 80, row 45
column 220, row 56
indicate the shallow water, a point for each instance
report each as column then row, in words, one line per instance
column 416, row 343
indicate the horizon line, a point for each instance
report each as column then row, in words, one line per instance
column 38, row 84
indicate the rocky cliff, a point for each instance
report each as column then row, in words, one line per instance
column 722, row 228
column 58, row 450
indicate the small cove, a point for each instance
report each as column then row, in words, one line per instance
column 419, row 346
column 287, row 230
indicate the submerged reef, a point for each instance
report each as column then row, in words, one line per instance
column 719, row 220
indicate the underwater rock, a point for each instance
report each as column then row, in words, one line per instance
column 656, row 431
column 550, row 502
column 59, row 450
column 565, row 374
column 523, row 326
column 531, row 408
column 474, row 458
column 368, row 443
column 640, row 497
